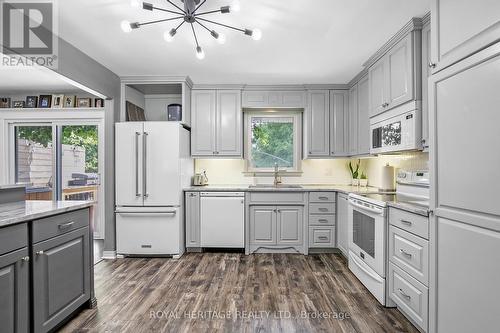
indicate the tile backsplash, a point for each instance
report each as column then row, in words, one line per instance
column 328, row 171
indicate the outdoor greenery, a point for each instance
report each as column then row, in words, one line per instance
column 272, row 142
column 82, row 136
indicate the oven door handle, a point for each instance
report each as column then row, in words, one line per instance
column 371, row 210
column 360, row 266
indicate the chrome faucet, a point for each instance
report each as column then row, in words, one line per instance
column 277, row 178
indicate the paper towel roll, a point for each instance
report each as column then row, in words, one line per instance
column 388, row 183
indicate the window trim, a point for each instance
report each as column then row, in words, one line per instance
column 297, row 136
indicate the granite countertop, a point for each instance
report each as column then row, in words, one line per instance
column 23, row 211
column 304, row 188
column 420, row 208
column 10, row 186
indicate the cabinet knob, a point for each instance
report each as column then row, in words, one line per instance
column 423, row 141
column 385, row 105
column 39, row 253
column 432, row 65
column 26, row 258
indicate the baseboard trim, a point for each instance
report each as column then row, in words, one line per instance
column 109, row 255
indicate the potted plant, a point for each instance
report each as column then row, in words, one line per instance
column 363, row 180
column 354, row 172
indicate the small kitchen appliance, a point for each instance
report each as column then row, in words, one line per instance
column 200, row 179
column 174, row 112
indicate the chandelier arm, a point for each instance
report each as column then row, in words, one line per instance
column 204, row 26
column 164, row 20
column 201, row 4
column 194, row 34
column 209, row 12
column 168, row 11
column 179, row 8
column 176, row 28
column 221, row 24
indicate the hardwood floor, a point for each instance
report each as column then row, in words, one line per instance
column 256, row 293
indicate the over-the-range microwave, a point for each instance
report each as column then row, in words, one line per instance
column 394, row 132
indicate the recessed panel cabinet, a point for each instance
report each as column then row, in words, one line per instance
column 273, row 99
column 339, row 123
column 363, row 129
column 318, row 115
column 342, row 220
column 193, row 226
column 426, row 73
column 216, row 123
column 353, row 120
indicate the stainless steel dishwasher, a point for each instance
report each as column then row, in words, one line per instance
column 222, row 219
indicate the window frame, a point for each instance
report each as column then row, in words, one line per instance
column 297, row 116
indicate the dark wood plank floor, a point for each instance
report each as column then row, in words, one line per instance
column 256, row 293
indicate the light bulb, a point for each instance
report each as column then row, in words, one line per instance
column 235, row 6
column 135, row 3
column 221, row 39
column 126, row 26
column 256, row 34
column 200, row 54
column 169, row 35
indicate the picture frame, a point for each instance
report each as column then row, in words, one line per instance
column 69, row 101
column 98, row 102
column 18, row 104
column 4, row 102
column 31, row 101
column 45, row 101
column 57, row 101
column 83, row 102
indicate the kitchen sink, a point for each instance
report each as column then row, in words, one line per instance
column 275, row 186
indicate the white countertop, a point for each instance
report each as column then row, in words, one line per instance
column 22, row 211
column 303, row 188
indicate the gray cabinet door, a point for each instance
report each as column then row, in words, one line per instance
column 363, row 117
column 318, row 110
column 461, row 27
column 290, row 225
column 14, row 291
column 339, row 122
column 229, row 126
column 193, row 219
column 203, row 122
column 342, row 220
column 263, row 225
column 426, row 73
column 400, row 73
column 61, row 277
column 353, row 121
column 378, row 89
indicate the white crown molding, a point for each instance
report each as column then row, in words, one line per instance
column 277, row 87
column 218, row 86
column 135, row 79
column 426, row 19
column 334, row 86
column 358, row 77
column 414, row 24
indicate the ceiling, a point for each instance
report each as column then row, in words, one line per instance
column 320, row 41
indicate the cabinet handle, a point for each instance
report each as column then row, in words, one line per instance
column 406, row 222
column 323, row 221
column 191, row 194
column 385, row 105
column 39, row 253
column 322, row 209
column 405, row 253
column 279, row 211
column 323, row 198
column 323, row 237
column 405, row 295
column 66, row 225
column 432, row 65
column 423, row 141
column 137, row 194
column 145, row 165
column 26, row 258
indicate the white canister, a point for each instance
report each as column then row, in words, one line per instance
column 388, row 178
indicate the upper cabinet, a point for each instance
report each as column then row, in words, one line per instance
column 353, row 120
column 339, row 123
column 216, row 123
column 461, row 28
column 426, row 73
column 273, row 99
column 318, row 115
column 363, row 130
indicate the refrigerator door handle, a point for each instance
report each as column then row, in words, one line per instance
column 137, row 194
column 144, row 164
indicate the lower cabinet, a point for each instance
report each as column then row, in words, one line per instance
column 276, row 226
column 342, row 221
column 61, row 277
column 192, row 218
column 14, row 291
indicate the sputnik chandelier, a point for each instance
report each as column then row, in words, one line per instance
column 191, row 15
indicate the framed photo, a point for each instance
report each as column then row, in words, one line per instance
column 84, row 102
column 69, row 101
column 31, row 101
column 18, row 104
column 57, row 101
column 4, row 102
column 45, row 101
column 99, row 103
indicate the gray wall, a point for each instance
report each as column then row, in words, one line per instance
column 79, row 67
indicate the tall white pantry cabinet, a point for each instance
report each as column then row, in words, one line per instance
column 464, row 115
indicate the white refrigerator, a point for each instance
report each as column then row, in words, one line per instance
column 152, row 165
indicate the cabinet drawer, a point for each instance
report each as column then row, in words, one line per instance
column 409, row 252
column 322, row 237
column 321, row 197
column 322, row 208
column 276, row 198
column 410, row 296
column 60, row 224
column 322, row 220
column 13, row 237
column 414, row 223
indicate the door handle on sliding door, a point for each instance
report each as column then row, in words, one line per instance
column 137, row 194
column 145, row 164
